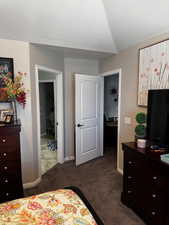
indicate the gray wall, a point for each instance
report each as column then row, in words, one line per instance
column 127, row 60
column 72, row 66
column 110, row 105
column 43, row 75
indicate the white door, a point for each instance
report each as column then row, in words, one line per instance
column 89, row 117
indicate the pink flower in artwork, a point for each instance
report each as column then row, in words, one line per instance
column 162, row 54
column 155, row 70
column 158, row 74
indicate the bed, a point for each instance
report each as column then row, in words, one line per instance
column 66, row 206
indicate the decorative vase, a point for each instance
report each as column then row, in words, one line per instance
column 13, row 104
column 141, row 143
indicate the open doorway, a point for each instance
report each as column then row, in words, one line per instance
column 111, row 93
column 91, row 118
column 111, row 98
column 48, row 121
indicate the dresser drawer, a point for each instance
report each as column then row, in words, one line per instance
column 129, row 181
column 157, row 182
column 9, row 180
column 156, row 177
column 130, row 163
column 9, row 141
column 9, row 167
column 129, row 196
column 9, row 155
column 11, row 194
column 133, row 161
column 155, row 216
column 156, row 199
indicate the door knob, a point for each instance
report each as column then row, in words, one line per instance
column 80, row 125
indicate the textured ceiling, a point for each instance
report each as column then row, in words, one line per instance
column 97, row 25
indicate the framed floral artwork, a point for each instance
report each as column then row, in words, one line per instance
column 153, row 70
column 6, row 68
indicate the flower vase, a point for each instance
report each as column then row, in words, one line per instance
column 13, row 103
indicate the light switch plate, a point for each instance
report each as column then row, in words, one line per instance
column 127, row 120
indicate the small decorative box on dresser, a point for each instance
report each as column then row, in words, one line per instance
column 146, row 184
column 10, row 162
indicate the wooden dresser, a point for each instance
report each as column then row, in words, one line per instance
column 146, row 184
column 10, row 162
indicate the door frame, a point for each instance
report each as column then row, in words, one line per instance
column 60, row 113
column 110, row 73
column 55, row 102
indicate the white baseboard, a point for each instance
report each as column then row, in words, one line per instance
column 69, row 158
column 120, row 171
column 32, row 184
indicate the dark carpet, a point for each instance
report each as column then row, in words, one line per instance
column 99, row 182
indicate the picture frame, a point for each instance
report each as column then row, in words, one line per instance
column 7, row 68
column 8, row 118
column 153, row 69
column 4, row 113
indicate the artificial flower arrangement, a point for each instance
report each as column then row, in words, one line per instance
column 14, row 88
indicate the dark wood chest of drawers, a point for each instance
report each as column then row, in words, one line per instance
column 146, row 185
column 10, row 163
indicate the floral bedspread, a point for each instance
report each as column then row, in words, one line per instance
column 60, row 207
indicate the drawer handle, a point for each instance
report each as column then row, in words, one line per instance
column 154, row 178
column 7, row 194
column 3, row 140
column 4, row 154
column 129, row 192
column 5, row 167
column 6, row 181
column 129, row 177
column 154, row 195
column 153, row 213
column 130, row 162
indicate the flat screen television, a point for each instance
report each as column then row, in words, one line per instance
column 158, row 118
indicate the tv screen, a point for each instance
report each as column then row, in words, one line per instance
column 158, row 117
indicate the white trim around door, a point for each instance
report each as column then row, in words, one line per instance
column 60, row 113
column 109, row 73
